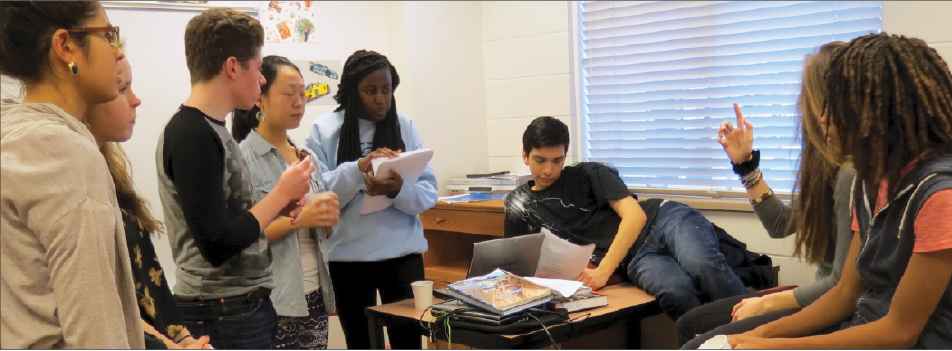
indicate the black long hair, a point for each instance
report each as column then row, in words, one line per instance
column 387, row 134
column 243, row 121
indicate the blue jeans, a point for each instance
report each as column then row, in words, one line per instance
column 680, row 260
column 233, row 322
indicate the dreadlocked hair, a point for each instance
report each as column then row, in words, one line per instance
column 819, row 163
column 387, row 133
column 890, row 98
column 130, row 203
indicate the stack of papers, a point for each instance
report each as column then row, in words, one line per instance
column 409, row 165
column 473, row 197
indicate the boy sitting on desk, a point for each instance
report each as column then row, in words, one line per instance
column 664, row 247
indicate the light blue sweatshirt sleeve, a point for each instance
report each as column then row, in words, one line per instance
column 345, row 179
column 419, row 196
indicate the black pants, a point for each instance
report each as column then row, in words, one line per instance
column 355, row 288
column 715, row 319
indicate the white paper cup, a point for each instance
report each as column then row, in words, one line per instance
column 422, row 294
column 718, row 342
column 314, row 197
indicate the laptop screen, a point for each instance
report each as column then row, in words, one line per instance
column 518, row 255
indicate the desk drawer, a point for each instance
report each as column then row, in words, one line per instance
column 470, row 222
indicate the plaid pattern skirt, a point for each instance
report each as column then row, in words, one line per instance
column 304, row 332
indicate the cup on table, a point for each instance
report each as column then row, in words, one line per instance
column 422, row 294
column 718, row 342
column 318, row 197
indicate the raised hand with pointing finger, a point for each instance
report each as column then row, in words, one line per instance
column 737, row 142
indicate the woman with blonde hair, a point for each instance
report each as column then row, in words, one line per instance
column 111, row 123
column 819, row 214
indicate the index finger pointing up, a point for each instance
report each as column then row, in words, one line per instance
column 740, row 116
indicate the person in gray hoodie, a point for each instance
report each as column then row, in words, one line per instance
column 64, row 266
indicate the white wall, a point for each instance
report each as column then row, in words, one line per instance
column 526, row 58
column 445, row 60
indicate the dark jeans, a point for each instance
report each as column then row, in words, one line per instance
column 355, row 287
column 235, row 322
column 680, row 260
column 715, row 319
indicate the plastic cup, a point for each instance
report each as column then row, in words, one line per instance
column 422, row 294
column 319, row 196
column 718, row 342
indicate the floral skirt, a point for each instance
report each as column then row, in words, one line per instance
column 304, row 332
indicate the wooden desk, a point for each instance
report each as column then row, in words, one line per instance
column 627, row 305
column 451, row 230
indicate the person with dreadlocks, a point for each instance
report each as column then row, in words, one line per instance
column 381, row 251
column 889, row 108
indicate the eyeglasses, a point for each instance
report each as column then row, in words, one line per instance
column 110, row 32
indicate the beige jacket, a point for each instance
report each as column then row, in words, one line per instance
column 65, row 272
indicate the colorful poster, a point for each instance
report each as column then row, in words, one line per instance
column 321, row 78
column 288, row 21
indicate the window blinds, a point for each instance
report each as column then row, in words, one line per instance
column 658, row 77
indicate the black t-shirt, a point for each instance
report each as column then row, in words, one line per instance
column 575, row 207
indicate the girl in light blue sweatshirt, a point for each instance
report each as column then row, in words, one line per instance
column 381, row 251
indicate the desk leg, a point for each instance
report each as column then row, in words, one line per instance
column 376, row 334
column 634, row 333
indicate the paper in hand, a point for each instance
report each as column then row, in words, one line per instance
column 409, row 165
column 561, row 259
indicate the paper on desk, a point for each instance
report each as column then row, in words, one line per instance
column 561, row 259
column 409, row 165
column 471, row 197
column 564, row 287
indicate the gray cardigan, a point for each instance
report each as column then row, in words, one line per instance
column 774, row 215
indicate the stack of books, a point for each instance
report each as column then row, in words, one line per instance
column 582, row 299
column 500, row 292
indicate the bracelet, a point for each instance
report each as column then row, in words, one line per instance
column 748, row 166
column 183, row 338
column 752, row 179
column 762, row 198
column 750, row 175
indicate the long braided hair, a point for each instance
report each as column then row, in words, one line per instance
column 891, row 101
column 387, row 133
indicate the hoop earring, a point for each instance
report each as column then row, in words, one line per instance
column 259, row 116
column 73, row 68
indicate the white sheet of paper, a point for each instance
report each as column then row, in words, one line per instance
column 409, row 165
column 561, row 259
column 564, row 287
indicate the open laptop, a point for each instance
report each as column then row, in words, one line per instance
column 518, row 255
